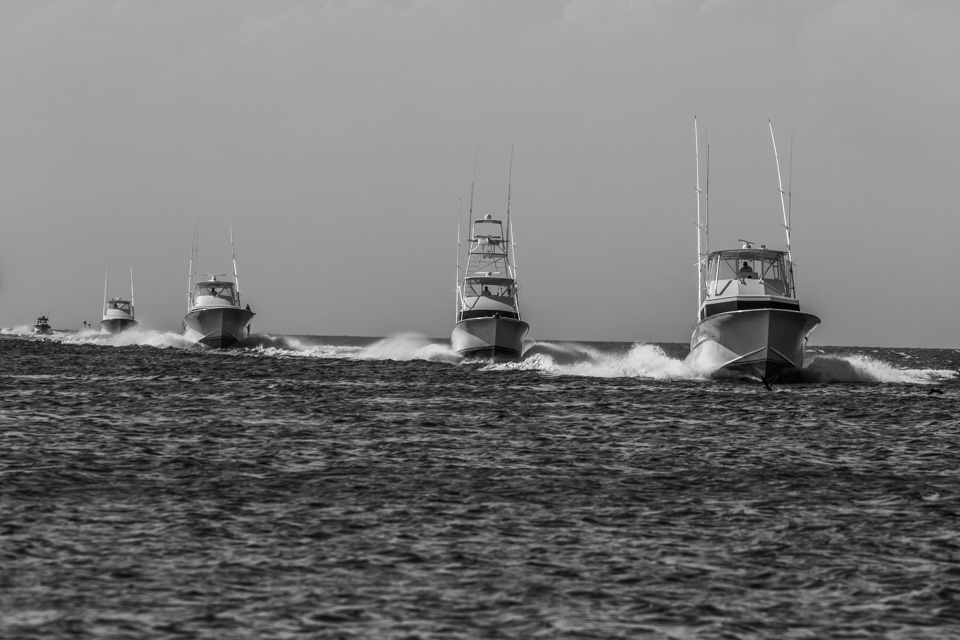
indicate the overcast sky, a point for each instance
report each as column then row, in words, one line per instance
column 339, row 139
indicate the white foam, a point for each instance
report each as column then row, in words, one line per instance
column 22, row 330
column 130, row 337
column 641, row 361
column 860, row 368
column 409, row 346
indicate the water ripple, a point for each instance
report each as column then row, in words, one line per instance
column 154, row 492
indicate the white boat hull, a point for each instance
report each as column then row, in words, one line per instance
column 117, row 325
column 217, row 327
column 762, row 343
column 489, row 337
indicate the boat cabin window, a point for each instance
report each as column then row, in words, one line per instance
column 120, row 305
column 475, row 288
column 223, row 290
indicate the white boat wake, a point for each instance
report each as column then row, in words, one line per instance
column 130, row 337
column 647, row 361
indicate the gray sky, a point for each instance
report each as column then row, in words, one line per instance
column 339, row 138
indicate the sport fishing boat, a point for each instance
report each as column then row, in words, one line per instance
column 43, row 328
column 749, row 322
column 118, row 313
column 488, row 323
column 215, row 317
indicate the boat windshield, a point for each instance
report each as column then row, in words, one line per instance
column 223, row 290
column 120, row 305
column 489, row 287
column 770, row 267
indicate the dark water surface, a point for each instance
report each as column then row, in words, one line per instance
column 311, row 488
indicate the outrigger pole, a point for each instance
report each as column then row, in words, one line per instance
column 236, row 278
column 783, row 204
column 457, row 288
column 473, row 184
column 512, row 245
column 132, row 307
column 512, row 264
column 106, row 279
column 193, row 255
column 700, row 224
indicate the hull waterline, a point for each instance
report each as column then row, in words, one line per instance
column 489, row 337
column 217, row 328
column 762, row 343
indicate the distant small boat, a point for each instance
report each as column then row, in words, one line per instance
column 118, row 313
column 488, row 323
column 749, row 319
column 42, row 328
column 215, row 317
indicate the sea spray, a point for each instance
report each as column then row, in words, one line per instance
column 130, row 337
column 864, row 369
column 20, row 330
column 575, row 359
column 409, row 346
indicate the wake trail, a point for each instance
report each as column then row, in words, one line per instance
column 640, row 360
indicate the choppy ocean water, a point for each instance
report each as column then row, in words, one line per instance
column 309, row 487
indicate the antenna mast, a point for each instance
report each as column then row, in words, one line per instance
column 783, row 204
